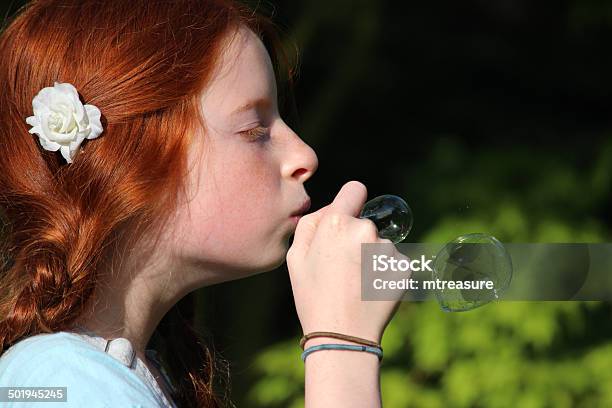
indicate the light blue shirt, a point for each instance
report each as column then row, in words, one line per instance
column 93, row 378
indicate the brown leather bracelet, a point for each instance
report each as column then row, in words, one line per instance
column 340, row 336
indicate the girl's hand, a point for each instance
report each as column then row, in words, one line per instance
column 324, row 265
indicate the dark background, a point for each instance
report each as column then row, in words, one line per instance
column 486, row 116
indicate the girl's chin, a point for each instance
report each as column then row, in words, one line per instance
column 270, row 258
column 278, row 260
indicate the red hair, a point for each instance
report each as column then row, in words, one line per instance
column 143, row 63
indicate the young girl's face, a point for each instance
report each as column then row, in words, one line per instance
column 248, row 172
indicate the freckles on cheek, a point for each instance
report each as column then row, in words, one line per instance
column 247, row 190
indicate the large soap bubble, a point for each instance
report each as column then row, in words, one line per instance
column 471, row 259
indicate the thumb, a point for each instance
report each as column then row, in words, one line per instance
column 351, row 198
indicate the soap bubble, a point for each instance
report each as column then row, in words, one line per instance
column 470, row 259
column 392, row 216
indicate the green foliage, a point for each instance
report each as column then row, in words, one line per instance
column 523, row 354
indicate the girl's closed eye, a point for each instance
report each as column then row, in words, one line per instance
column 256, row 133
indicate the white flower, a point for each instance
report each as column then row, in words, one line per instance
column 61, row 121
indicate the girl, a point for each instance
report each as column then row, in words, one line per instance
column 155, row 163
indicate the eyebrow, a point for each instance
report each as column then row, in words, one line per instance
column 265, row 102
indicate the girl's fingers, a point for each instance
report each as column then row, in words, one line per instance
column 349, row 200
column 305, row 230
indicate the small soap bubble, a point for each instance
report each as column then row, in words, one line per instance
column 392, row 216
column 472, row 258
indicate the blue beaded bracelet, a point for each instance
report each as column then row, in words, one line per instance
column 374, row 350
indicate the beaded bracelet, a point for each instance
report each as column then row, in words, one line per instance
column 374, row 350
column 340, row 336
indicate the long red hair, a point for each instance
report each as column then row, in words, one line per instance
column 143, row 63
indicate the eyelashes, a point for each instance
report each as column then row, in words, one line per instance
column 256, row 133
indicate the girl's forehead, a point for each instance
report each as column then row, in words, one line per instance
column 242, row 52
column 244, row 73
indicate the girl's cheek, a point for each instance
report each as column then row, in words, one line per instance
column 239, row 183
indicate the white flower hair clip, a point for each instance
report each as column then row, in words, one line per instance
column 61, row 121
